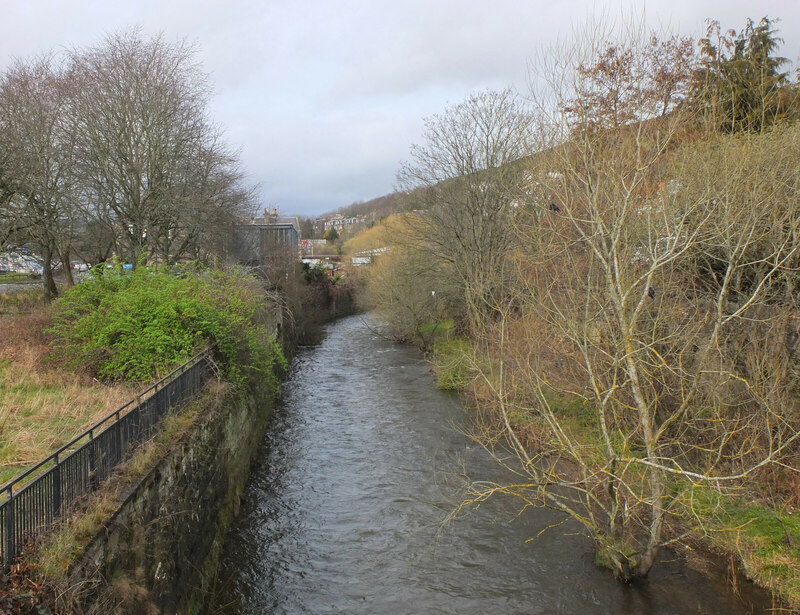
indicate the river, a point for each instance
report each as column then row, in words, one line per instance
column 344, row 510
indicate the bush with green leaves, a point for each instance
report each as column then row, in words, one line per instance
column 139, row 325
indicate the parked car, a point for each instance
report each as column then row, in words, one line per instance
column 79, row 266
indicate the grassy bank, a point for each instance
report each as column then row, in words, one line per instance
column 67, row 365
column 54, row 555
column 21, row 302
column 42, row 406
column 763, row 539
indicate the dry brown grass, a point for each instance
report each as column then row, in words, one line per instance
column 42, row 406
column 21, row 302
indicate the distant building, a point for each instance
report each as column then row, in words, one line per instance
column 340, row 222
column 267, row 237
column 367, row 257
column 314, row 247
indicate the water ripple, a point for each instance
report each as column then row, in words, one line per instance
column 343, row 511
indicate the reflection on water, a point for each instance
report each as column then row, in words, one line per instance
column 344, row 508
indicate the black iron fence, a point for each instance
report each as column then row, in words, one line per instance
column 36, row 499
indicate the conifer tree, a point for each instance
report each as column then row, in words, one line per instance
column 740, row 86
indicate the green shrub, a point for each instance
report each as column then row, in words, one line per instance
column 139, row 325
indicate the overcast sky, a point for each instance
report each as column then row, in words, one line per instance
column 324, row 98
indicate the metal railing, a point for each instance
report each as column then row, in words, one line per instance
column 42, row 494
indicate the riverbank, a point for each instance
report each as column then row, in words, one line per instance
column 196, row 464
column 150, row 540
column 359, row 468
column 118, row 332
column 733, row 535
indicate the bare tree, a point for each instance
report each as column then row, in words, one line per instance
column 154, row 170
column 464, row 181
column 618, row 83
column 8, row 183
column 40, row 180
column 644, row 365
column 409, row 289
column 216, row 198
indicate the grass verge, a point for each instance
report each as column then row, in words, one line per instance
column 22, row 301
column 765, row 541
column 41, row 407
column 17, row 278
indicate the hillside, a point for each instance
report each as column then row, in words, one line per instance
column 378, row 208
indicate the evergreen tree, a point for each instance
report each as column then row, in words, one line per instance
column 740, row 86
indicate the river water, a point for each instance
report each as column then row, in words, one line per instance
column 344, row 510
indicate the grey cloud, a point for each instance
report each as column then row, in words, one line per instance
column 324, row 98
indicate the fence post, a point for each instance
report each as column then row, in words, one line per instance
column 56, row 488
column 145, row 419
column 118, row 427
column 137, row 430
column 92, row 472
column 10, row 546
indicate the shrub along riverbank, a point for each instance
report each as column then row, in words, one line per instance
column 755, row 528
column 136, row 326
